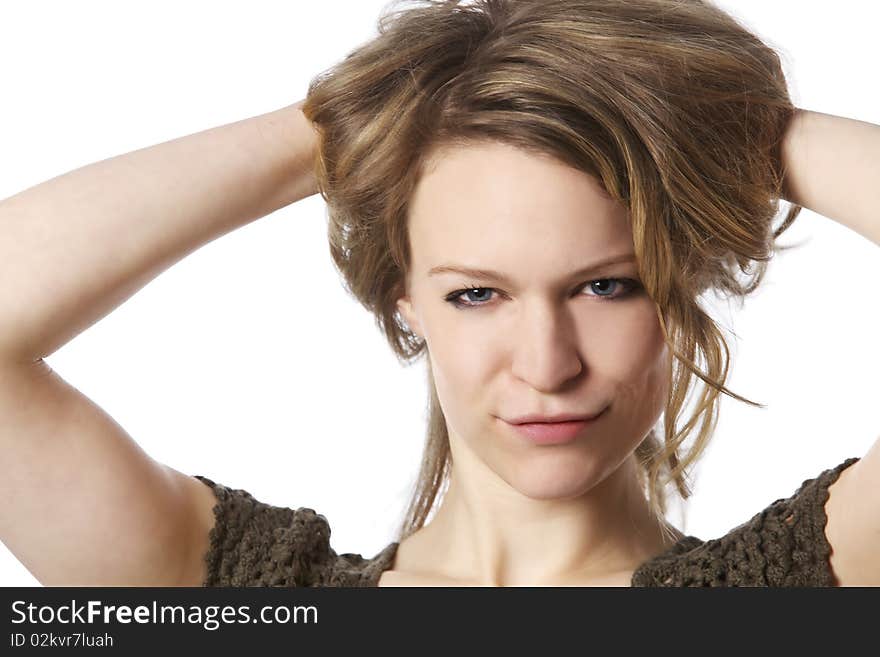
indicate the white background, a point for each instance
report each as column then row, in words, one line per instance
column 248, row 363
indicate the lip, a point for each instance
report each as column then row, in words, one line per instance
column 533, row 418
column 554, row 433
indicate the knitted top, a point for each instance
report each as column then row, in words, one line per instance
column 256, row 544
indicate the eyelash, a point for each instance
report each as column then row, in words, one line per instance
column 630, row 285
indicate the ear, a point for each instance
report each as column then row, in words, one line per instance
column 407, row 312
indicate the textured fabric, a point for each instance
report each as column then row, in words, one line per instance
column 783, row 545
column 256, row 544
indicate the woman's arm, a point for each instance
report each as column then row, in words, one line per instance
column 83, row 503
column 833, row 168
column 75, row 247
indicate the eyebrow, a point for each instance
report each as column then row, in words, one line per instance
column 503, row 278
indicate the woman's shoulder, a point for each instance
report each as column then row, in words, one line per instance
column 783, row 545
column 257, row 544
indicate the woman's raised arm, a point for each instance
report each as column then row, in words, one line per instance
column 75, row 247
column 83, row 504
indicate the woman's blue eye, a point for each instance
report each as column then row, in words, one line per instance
column 455, row 298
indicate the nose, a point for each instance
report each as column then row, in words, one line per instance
column 544, row 351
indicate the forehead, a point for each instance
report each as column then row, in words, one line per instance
column 496, row 204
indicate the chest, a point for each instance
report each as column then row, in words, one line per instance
column 391, row 578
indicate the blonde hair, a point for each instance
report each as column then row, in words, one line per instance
column 674, row 107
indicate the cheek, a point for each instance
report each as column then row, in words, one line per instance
column 640, row 361
column 457, row 369
column 460, row 354
column 462, row 367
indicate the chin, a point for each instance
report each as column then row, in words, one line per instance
column 553, row 491
column 546, row 481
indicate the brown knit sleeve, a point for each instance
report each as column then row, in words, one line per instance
column 256, row 544
column 783, row 545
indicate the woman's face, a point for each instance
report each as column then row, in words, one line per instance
column 544, row 339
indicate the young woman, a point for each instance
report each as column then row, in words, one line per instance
column 532, row 194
